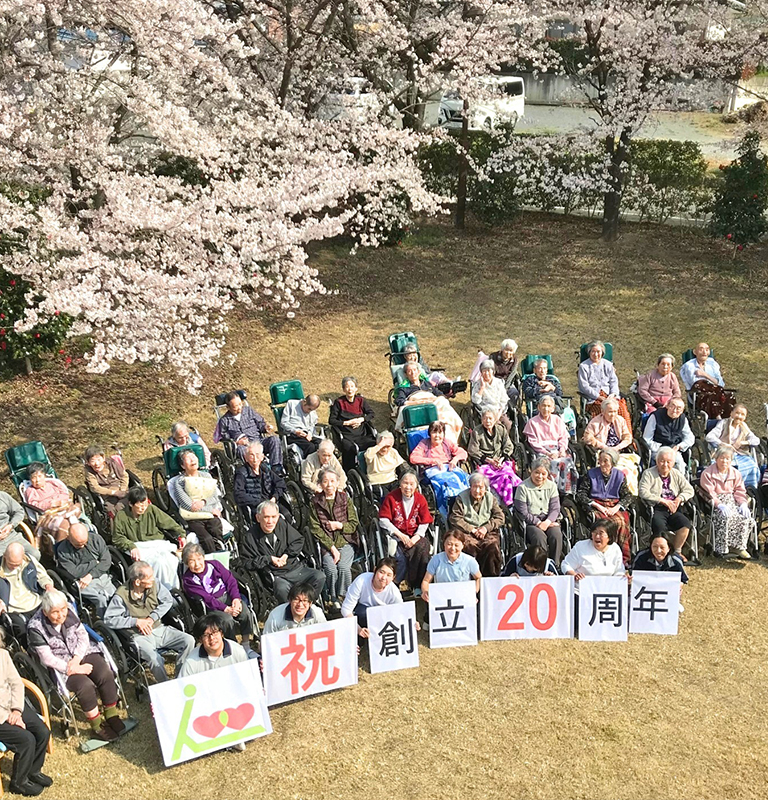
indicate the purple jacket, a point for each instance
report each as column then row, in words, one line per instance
column 215, row 586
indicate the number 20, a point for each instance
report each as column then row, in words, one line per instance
column 506, row 623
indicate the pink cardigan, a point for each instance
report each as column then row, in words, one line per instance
column 714, row 484
column 652, row 387
column 546, row 437
column 598, row 429
column 425, row 455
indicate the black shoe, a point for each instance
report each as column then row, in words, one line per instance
column 41, row 779
column 27, row 788
column 117, row 725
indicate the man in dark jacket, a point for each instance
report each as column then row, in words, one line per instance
column 273, row 546
column 84, row 559
column 255, row 482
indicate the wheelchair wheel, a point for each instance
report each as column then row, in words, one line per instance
column 295, row 498
column 33, row 671
column 115, row 648
column 160, row 489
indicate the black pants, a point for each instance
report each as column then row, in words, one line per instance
column 208, row 531
column 664, row 520
column 301, row 573
column 307, row 446
column 100, row 683
column 19, row 620
column 550, row 540
column 351, row 443
column 28, row 744
column 242, row 622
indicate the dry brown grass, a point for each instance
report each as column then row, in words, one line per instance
column 656, row 717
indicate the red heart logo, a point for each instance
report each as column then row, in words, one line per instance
column 209, row 726
column 239, row 717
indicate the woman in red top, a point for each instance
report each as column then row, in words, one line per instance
column 352, row 418
column 442, row 458
column 405, row 517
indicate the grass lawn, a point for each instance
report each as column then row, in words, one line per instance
column 677, row 717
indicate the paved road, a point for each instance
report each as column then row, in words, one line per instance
column 716, row 140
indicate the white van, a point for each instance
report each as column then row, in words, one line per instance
column 506, row 104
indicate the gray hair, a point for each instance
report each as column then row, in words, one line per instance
column 612, row 454
column 255, row 446
column 488, row 411
column 663, row 356
column 345, row 380
column 509, row 344
column 597, row 343
column 185, row 454
column 546, row 399
column 261, row 507
column 177, row 426
column 541, row 461
column 138, row 570
column 608, row 402
column 540, row 361
column 325, row 444
column 327, row 471
column 384, row 435
column 722, row 450
column 410, row 348
column 191, row 549
column 665, row 451
column 478, row 477
column 409, row 473
column 53, row 599
column 488, row 364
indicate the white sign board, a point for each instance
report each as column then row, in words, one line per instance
column 452, row 614
column 527, row 608
column 603, row 609
column 654, row 602
column 392, row 643
column 309, row 660
column 207, row 712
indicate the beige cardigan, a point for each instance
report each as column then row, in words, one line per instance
column 11, row 687
column 650, row 486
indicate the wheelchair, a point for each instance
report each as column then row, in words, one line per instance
column 528, row 405
column 173, row 470
column 707, row 517
column 97, row 509
column 642, row 531
column 396, row 357
column 567, row 520
column 698, row 417
column 629, row 399
column 279, row 394
column 18, row 460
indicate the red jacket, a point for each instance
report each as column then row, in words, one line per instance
column 392, row 509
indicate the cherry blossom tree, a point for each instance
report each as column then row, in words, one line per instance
column 175, row 184
column 629, row 58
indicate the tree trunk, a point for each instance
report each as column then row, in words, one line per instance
column 461, row 190
column 618, row 151
column 27, row 365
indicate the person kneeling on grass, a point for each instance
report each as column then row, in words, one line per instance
column 375, row 588
column 300, row 610
column 533, row 561
column 450, row 566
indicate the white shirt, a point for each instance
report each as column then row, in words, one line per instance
column 587, row 559
column 361, row 591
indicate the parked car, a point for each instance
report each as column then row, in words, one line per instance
column 504, row 102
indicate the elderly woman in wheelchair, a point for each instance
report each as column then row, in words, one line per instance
column 547, row 436
column 723, row 487
column 51, row 499
column 491, row 449
column 489, row 392
column 609, row 430
column 197, row 496
column 62, row 644
column 735, row 432
column 540, row 383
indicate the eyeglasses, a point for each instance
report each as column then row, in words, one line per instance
column 211, row 635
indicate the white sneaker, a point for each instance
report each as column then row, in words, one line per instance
column 681, row 608
column 238, row 748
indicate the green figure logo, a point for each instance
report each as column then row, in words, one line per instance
column 211, row 727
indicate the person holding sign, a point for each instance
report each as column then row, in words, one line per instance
column 724, row 487
column 665, row 489
column 477, row 514
column 659, row 558
column 215, row 649
column 534, row 561
column 334, row 523
column 599, row 555
column 300, row 610
column 537, row 501
column 450, row 566
column 405, row 516
column 375, row 588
